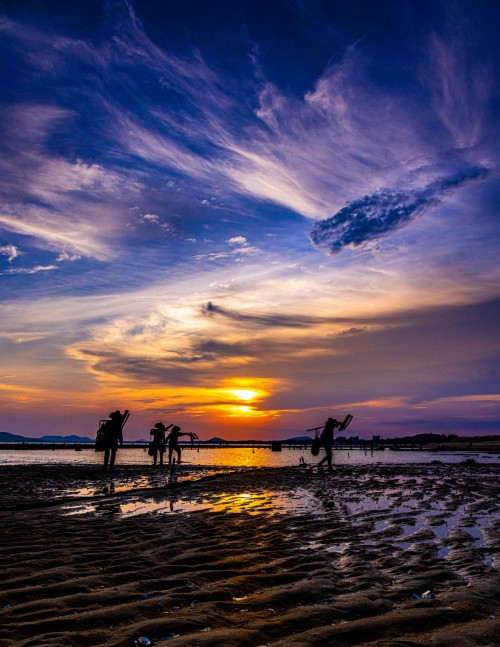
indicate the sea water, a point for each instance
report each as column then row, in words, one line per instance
column 243, row 456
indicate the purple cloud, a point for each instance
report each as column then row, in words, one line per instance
column 373, row 216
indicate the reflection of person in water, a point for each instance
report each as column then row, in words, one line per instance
column 158, row 442
column 326, row 439
column 173, row 442
column 113, row 434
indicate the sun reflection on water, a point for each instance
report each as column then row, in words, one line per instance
column 253, row 503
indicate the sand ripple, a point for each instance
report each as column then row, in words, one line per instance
column 277, row 557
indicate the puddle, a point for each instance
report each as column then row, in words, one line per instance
column 441, row 531
column 297, row 501
column 490, row 561
column 400, row 515
column 443, row 552
column 159, row 479
column 382, row 524
column 337, row 548
column 476, row 534
column 402, row 545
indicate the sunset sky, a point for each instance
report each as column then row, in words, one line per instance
column 245, row 216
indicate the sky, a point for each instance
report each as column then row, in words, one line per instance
column 244, row 217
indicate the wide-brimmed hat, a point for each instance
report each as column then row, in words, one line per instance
column 160, row 425
column 176, row 428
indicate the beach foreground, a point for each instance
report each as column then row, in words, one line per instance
column 276, row 557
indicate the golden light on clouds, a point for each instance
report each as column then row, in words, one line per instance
column 245, row 411
column 233, row 398
column 244, row 394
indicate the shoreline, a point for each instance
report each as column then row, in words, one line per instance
column 258, row 556
column 466, row 446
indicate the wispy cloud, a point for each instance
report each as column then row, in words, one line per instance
column 239, row 248
column 70, row 207
column 344, row 137
column 72, row 237
column 460, row 83
column 11, row 251
column 172, row 187
column 30, row 270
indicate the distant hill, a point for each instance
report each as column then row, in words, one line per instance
column 65, row 439
column 215, row 440
column 5, row 437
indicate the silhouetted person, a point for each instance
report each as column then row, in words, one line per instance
column 326, row 439
column 113, row 434
column 173, row 443
column 158, row 442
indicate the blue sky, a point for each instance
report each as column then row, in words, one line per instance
column 247, row 216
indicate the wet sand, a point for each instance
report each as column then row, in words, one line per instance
column 277, row 557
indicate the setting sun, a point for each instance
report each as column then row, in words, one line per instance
column 244, row 394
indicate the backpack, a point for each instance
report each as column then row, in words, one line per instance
column 100, row 439
column 316, row 444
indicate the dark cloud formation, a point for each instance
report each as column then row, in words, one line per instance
column 373, row 216
column 146, row 370
column 269, row 320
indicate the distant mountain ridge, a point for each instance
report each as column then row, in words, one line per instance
column 66, row 439
column 6, row 437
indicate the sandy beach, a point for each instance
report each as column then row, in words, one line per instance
column 278, row 557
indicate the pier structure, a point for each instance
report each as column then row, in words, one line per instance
column 266, row 444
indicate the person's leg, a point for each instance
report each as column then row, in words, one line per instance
column 112, row 458
column 329, row 456
column 155, row 455
column 170, row 452
column 106, row 458
column 178, row 455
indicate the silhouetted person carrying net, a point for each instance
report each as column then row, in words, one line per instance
column 173, row 442
column 157, row 445
column 326, row 438
column 109, row 434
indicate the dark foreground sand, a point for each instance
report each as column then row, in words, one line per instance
column 275, row 557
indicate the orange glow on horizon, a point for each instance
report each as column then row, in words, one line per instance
column 226, row 400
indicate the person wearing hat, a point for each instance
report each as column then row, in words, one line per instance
column 173, row 442
column 113, row 434
column 326, row 439
column 158, row 442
